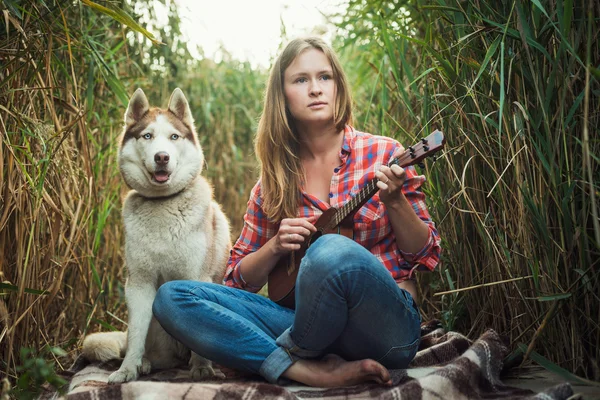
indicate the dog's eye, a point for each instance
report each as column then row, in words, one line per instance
column 147, row 136
column 174, row 136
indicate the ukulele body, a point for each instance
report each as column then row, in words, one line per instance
column 282, row 279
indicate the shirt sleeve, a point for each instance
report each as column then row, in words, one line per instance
column 257, row 230
column 428, row 257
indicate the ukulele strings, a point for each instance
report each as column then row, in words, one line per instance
column 370, row 188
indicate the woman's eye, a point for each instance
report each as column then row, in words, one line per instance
column 326, row 77
column 174, row 136
column 301, row 80
column 147, row 136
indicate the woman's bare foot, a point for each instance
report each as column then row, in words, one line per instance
column 334, row 371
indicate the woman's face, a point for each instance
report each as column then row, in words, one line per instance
column 309, row 88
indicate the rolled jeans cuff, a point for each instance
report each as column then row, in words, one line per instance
column 276, row 364
column 285, row 341
column 283, row 357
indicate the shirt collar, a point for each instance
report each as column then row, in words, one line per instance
column 349, row 136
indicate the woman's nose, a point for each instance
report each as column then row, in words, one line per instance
column 315, row 88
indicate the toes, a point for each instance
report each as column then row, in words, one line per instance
column 375, row 371
column 145, row 367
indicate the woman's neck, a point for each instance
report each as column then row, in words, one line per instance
column 319, row 142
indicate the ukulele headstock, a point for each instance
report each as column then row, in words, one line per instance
column 419, row 151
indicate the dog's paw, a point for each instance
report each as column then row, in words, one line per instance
column 201, row 373
column 123, row 375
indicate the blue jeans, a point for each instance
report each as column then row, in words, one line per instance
column 347, row 303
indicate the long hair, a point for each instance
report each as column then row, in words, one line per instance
column 277, row 143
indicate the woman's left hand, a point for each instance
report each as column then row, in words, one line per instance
column 390, row 183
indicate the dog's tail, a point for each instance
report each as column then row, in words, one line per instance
column 104, row 346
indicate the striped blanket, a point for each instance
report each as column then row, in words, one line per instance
column 447, row 366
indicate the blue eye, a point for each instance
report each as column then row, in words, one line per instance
column 174, row 136
column 326, row 77
column 301, row 80
column 147, row 136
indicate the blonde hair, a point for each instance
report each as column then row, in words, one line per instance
column 277, row 144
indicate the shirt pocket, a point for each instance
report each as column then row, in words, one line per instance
column 370, row 222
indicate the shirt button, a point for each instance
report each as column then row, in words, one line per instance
column 330, row 195
column 336, row 169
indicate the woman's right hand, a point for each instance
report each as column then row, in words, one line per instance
column 292, row 233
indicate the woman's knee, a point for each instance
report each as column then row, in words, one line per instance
column 170, row 297
column 164, row 301
column 334, row 253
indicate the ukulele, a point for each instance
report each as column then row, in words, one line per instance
column 282, row 279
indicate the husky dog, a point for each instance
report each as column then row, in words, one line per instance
column 173, row 230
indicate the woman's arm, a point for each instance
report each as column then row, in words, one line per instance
column 416, row 236
column 256, row 267
column 412, row 233
column 261, row 244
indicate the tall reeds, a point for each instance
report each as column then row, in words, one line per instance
column 67, row 69
column 515, row 87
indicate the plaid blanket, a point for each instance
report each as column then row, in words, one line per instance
column 447, row 366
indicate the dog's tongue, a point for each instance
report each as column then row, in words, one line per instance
column 161, row 176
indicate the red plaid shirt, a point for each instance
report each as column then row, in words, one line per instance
column 361, row 156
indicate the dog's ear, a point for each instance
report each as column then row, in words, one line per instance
column 179, row 106
column 138, row 106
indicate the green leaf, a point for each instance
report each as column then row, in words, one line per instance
column 450, row 281
column 426, row 72
column 14, row 288
column 539, row 5
column 550, row 366
column 567, row 17
column 515, row 35
column 13, row 8
column 122, row 17
column 105, row 325
column 559, row 296
column 395, row 68
column 500, row 112
column 491, row 51
column 57, row 351
column 574, row 107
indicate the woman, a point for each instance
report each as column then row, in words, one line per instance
column 356, row 311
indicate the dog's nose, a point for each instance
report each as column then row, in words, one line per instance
column 161, row 158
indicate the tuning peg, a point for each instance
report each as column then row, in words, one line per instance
column 421, row 165
column 434, row 157
column 424, row 141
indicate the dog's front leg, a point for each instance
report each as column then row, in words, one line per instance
column 139, row 297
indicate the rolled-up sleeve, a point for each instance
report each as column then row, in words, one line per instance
column 428, row 257
column 257, row 230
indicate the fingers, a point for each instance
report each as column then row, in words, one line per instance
column 293, row 223
column 294, row 231
column 291, row 241
column 387, row 177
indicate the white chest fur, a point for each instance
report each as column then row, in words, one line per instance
column 168, row 239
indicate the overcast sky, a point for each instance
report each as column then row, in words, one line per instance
column 251, row 29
